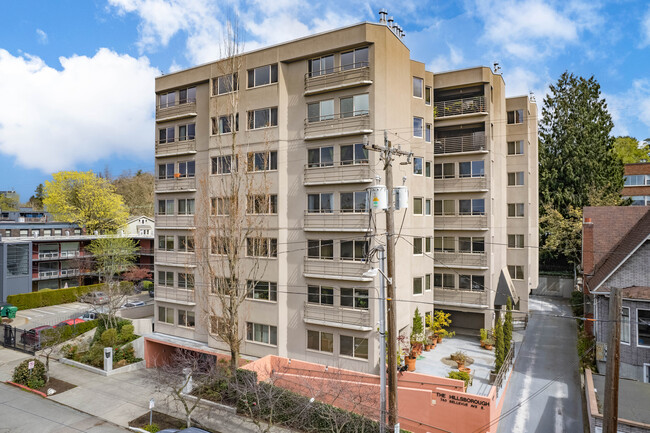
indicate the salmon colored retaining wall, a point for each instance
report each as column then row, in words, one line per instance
column 157, row 353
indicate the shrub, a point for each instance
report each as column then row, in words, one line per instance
column 101, row 328
column 459, row 356
column 34, row 379
column 152, row 428
column 460, row 375
column 507, row 327
column 94, row 356
column 577, row 303
column 147, row 285
column 58, row 335
column 126, row 334
column 44, row 298
column 499, row 354
column 109, row 337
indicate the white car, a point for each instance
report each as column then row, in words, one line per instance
column 89, row 315
column 132, row 304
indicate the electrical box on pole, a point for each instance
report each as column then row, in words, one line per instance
column 401, row 197
column 378, row 196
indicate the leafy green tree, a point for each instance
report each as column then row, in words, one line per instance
column 36, row 201
column 85, row 199
column 499, row 347
column 137, row 192
column 630, row 150
column 507, row 326
column 8, row 203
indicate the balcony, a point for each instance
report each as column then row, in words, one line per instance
column 69, row 272
column 460, row 298
column 460, row 222
column 175, row 222
column 178, row 184
column 338, row 125
column 337, row 79
column 337, row 221
column 463, row 184
column 460, row 107
column 178, row 296
column 46, row 275
column 462, row 143
column 47, row 256
column 174, row 258
column 345, row 270
column 337, row 174
column 175, row 147
column 56, row 255
column 460, row 260
column 337, row 317
column 180, row 111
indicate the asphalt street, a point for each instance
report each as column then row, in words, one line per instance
column 547, row 359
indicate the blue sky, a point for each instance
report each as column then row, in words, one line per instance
column 77, row 77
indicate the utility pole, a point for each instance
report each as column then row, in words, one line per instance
column 382, row 343
column 610, row 410
column 387, row 152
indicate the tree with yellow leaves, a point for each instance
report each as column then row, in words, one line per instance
column 85, row 199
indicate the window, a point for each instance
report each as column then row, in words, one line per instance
column 220, row 206
column 25, row 232
column 186, row 168
column 354, row 298
column 515, row 241
column 516, row 178
column 261, row 247
column 185, row 281
column 643, row 327
column 261, row 161
column 165, row 278
column 186, row 132
column 320, row 203
column 167, row 100
column 638, row 200
column 516, row 116
column 471, row 282
column 427, row 244
column 18, row 260
column 427, row 169
column 444, row 207
column 320, row 249
column 166, row 135
column 320, row 157
column 427, row 95
column 354, row 346
column 354, row 250
column 46, row 232
column 516, row 272
column 515, row 210
column 185, row 243
column 263, row 118
column 417, row 87
column 354, row 201
column 427, row 207
column 427, row 282
column 354, row 154
column 427, row 133
column 417, row 246
column 321, row 66
column 417, row 127
column 165, row 207
column 225, row 84
column 261, row 333
column 166, row 315
column 471, row 207
column 635, row 180
column 417, row 285
column 444, row 171
column 471, row 169
column 262, row 76
column 445, row 281
column 166, row 243
column 264, row 290
column 319, row 111
column 187, row 95
column 224, row 124
column 417, row 205
column 516, row 147
column 320, row 295
column 186, row 318
column 625, row 325
column 262, row 204
column 417, row 166
column 186, row 206
column 445, row 244
column 471, row 244
column 321, row 341
column 356, row 105
column 354, row 59
column 222, row 164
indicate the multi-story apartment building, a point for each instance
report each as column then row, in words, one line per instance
column 304, row 109
column 637, row 183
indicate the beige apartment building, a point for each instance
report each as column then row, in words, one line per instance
column 303, row 111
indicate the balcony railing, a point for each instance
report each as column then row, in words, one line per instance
column 180, row 184
column 175, row 221
column 52, row 255
column 336, row 269
column 44, row 275
column 462, row 143
column 337, row 221
column 338, row 125
column 478, row 299
column 175, row 147
column 172, row 294
column 451, row 259
column 69, row 272
column 57, row 255
column 460, row 222
column 337, row 173
column 179, row 111
column 337, row 78
column 457, row 107
column 175, row 258
column 463, row 184
column 337, row 317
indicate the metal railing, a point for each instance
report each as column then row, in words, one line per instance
column 457, row 107
column 337, row 78
column 453, row 222
column 336, row 269
column 175, row 147
column 337, row 220
column 164, row 293
column 175, row 184
column 48, row 255
column 446, row 258
column 336, row 125
column 337, row 173
column 180, row 221
column 463, row 184
column 338, row 317
column 462, row 143
column 181, row 109
column 505, row 367
column 460, row 297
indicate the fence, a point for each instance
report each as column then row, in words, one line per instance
column 505, row 367
column 20, row 339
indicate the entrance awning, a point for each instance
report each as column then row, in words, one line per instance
column 505, row 289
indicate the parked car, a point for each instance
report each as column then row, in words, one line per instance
column 69, row 322
column 89, row 315
column 96, row 298
column 132, row 304
column 33, row 336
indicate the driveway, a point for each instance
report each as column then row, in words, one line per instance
column 28, row 319
column 547, row 358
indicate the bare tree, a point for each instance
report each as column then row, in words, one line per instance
column 49, row 341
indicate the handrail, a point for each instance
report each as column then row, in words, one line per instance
column 337, row 116
column 475, row 104
column 186, row 102
column 337, row 163
column 460, row 143
column 507, row 362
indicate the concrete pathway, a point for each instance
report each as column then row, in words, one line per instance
column 545, row 381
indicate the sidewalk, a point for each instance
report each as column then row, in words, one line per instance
column 123, row 397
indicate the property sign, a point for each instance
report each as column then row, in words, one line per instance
column 30, row 365
column 151, row 404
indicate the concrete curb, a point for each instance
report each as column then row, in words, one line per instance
column 26, row 388
column 127, row 368
column 211, row 404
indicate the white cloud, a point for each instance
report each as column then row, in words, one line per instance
column 631, row 106
column 92, row 108
column 448, row 62
column 645, row 29
column 42, row 36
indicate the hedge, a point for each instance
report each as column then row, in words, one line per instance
column 65, row 333
column 45, row 298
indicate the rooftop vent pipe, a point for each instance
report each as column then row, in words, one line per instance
column 383, row 13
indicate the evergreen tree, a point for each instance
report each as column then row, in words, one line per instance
column 499, row 354
column 417, row 331
column 507, row 328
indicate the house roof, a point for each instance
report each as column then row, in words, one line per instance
column 134, row 218
column 613, row 244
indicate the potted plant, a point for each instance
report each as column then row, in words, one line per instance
column 460, row 357
column 484, row 336
column 438, row 325
column 489, row 343
column 417, row 332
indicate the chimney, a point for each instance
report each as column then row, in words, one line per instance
column 587, row 247
column 382, row 16
column 390, row 22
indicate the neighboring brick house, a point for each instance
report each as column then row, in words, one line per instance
column 616, row 255
column 637, row 183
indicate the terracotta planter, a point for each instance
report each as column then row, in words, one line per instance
column 461, row 364
column 439, row 338
column 410, row 363
column 482, row 343
column 427, row 348
column 488, row 346
column 465, row 369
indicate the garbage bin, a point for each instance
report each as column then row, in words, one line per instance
column 8, row 310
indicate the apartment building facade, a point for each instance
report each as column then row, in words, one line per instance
column 304, row 110
column 637, row 183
